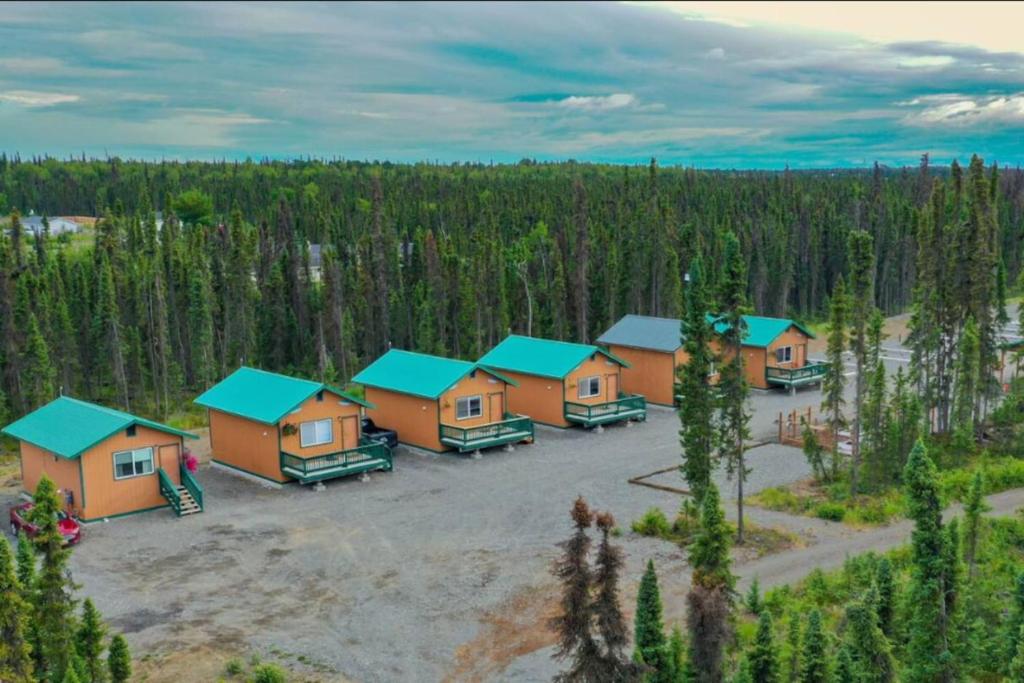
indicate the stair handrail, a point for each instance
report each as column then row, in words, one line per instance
column 192, row 486
column 169, row 491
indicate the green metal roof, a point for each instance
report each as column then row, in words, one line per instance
column 544, row 357
column 264, row 396
column 69, row 427
column 419, row 374
column 761, row 331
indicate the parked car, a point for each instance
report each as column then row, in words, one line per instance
column 69, row 528
column 371, row 431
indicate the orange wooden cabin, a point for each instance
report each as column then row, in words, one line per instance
column 561, row 384
column 106, row 463
column 440, row 403
column 279, row 428
column 774, row 354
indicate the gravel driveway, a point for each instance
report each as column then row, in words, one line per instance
column 437, row 571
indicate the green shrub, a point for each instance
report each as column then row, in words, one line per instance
column 233, row 667
column 267, row 673
column 831, row 511
column 653, row 523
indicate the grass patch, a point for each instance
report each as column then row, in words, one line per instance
column 833, row 502
column 759, row 541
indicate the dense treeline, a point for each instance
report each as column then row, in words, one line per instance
column 444, row 259
column 949, row 607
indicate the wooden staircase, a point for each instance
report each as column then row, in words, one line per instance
column 188, row 505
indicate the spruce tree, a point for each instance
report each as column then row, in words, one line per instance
column 763, row 656
column 814, row 658
column 39, row 380
column 608, row 618
column 1014, row 621
column 53, row 609
column 89, row 645
column 974, row 507
column 792, row 660
column 870, row 651
column 697, row 403
column 928, row 656
column 26, row 564
column 709, row 602
column 968, row 379
column 861, row 258
column 649, row 631
column 15, row 651
column 845, row 672
column 574, row 623
column 1016, row 665
column 119, row 660
column 833, row 385
column 885, row 586
column 733, row 391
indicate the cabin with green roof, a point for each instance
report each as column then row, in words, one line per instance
column 279, row 428
column 563, row 384
column 442, row 404
column 774, row 353
column 106, row 462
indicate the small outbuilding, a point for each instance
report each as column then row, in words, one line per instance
column 561, row 383
column 106, row 463
column 440, row 403
column 281, row 428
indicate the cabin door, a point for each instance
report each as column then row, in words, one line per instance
column 612, row 382
column 169, row 459
column 496, row 407
column 349, row 432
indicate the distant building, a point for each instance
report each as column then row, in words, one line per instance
column 57, row 225
column 315, row 261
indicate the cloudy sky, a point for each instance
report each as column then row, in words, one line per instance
column 740, row 85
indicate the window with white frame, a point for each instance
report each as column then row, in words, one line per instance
column 784, row 354
column 590, row 387
column 316, row 433
column 134, row 463
column 469, row 406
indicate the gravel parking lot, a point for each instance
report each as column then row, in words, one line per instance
column 437, row 571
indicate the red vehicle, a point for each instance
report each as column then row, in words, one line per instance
column 70, row 529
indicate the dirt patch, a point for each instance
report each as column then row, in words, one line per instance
column 210, row 663
column 10, row 473
column 517, row 628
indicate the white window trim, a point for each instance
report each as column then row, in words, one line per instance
column 585, row 382
column 469, row 413
column 135, row 460
column 790, row 354
column 316, row 442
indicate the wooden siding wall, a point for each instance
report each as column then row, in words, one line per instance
column 414, row 418
column 601, row 366
column 791, row 337
column 538, row 397
column 35, row 462
column 247, row 445
column 106, row 496
column 482, row 385
column 332, row 407
column 651, row 373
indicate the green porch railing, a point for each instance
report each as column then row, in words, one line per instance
column 513, row 428
column 370, row 455
column 169, row 491
column 192, row 486
column 624, row 408
column 795, row 376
